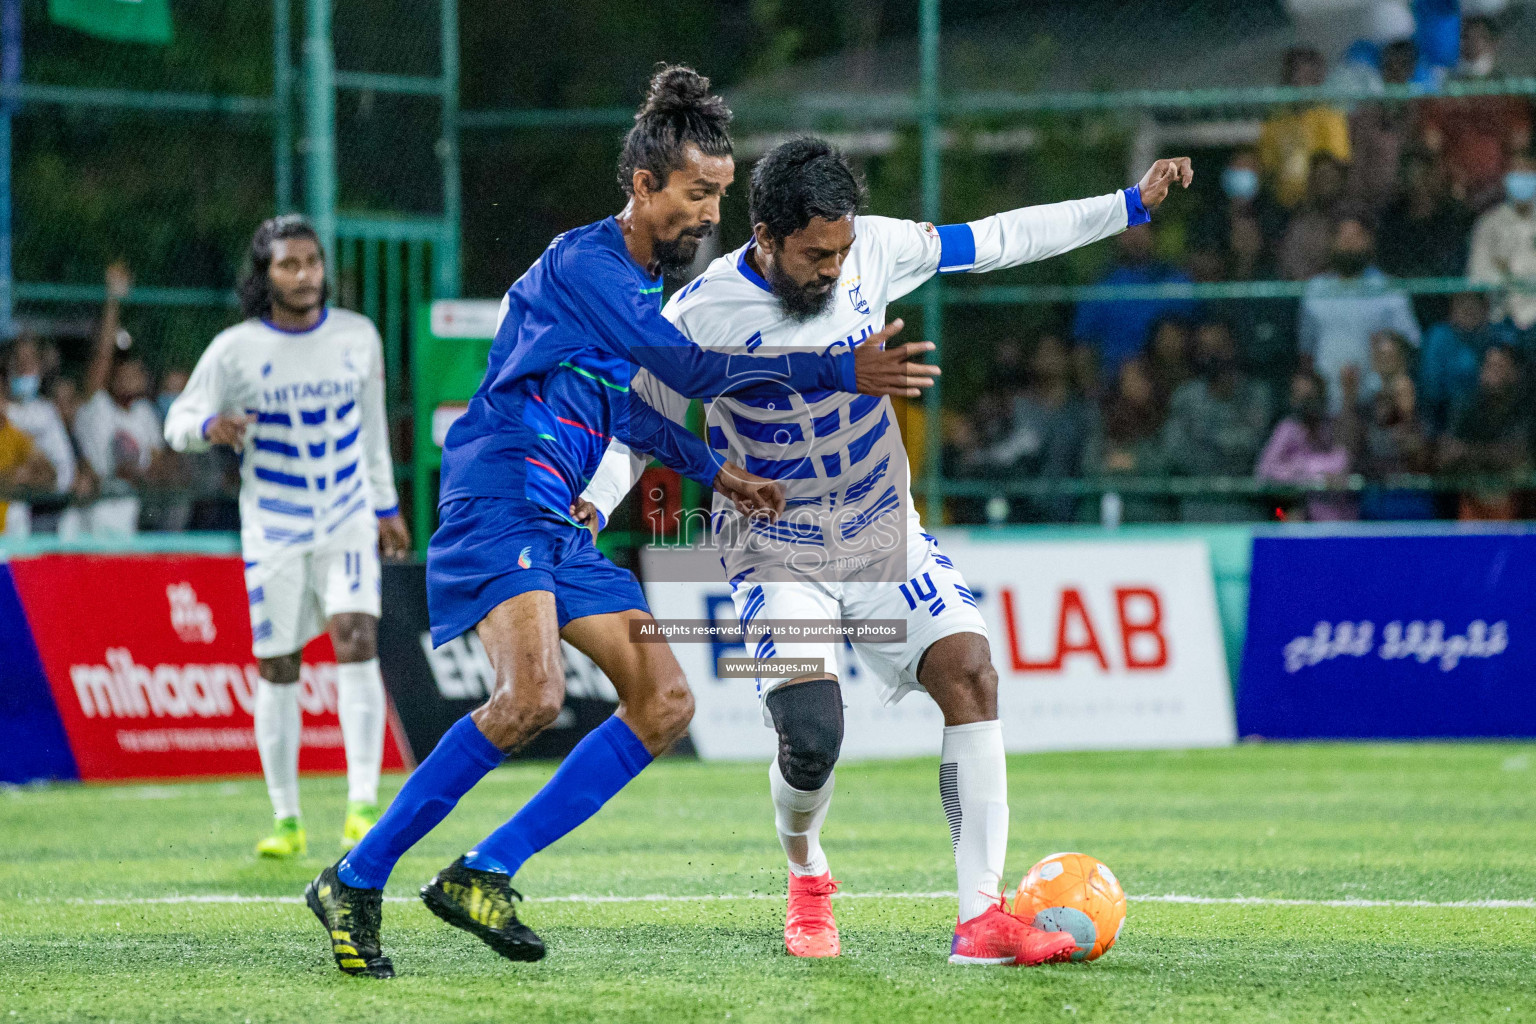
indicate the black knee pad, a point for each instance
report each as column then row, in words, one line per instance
column 809, row 720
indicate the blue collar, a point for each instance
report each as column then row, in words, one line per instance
column 324, row 313
column 746, row 268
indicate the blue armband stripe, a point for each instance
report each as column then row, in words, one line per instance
column 1135, row 212
column 957, row 248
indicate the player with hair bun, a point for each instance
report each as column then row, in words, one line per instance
column 509, row 559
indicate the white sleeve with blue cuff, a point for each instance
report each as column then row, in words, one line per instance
column 1011, row 238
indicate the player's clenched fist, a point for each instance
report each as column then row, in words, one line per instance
column 890, row 371
column 752, row 495
column 1161, row 176
column 228, row 430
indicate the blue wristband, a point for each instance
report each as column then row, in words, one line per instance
column 1135, row 211
column 203, row 430
column 386, row 513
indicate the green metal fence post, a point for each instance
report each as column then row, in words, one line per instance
column 282, row 104
column 933, row 307
column 320, row 122
column 448, row 151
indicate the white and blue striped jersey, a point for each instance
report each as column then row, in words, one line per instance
column 316, row 455
column 838, row 456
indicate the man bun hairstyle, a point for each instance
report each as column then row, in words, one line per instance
column 800, row 179
column 254, row 289
column 679, row 110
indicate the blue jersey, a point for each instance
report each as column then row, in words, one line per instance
column 573, row 330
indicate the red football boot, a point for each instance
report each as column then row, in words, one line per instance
column 997, row 937
column 809, row 928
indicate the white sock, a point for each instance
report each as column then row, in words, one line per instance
column 277, row 740
column 360, row 706
column 973, row 782
column 798, row 814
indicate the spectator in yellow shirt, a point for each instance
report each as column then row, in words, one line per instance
column 22, row 466
column 1293, row 135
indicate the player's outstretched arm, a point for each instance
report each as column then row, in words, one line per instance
column 1025, row 235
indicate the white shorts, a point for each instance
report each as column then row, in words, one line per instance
column 934, row 603
column 293, row 595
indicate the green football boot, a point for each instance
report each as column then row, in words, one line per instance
column 360, row 818
column 351, row 918
column 286, row 841
column 481, row 903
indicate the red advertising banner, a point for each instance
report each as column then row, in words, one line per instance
column 149, row 660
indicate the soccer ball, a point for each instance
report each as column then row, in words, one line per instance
column 1072, row 892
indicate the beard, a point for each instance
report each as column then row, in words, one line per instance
column 799, row 301
column 673, row 256
column 299, row 302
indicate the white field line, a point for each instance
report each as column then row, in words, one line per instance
column 1241, row 901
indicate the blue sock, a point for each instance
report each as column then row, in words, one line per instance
column 461, row 758
column 599, row 766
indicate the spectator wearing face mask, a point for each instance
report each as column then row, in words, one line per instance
column 1504, row 247
column 117, row 427
column 1477, row 134
column 29, row 411
column 1343, row 308
column 1236, row 240
column 1305, row 448
column 1243, row 211
column 1292, row 136
column 23, row 467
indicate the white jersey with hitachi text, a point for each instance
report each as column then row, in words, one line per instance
column 316, row 462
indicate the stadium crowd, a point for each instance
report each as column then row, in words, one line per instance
column 87, row 448
column 1355, row 377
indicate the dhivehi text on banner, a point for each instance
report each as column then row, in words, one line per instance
column 1403, row 637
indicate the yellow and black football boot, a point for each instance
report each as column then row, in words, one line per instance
column 351, row 919
column 482, row 903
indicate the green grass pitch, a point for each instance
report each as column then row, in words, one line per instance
column 82, row 937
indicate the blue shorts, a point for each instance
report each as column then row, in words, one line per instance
column 487, row 550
